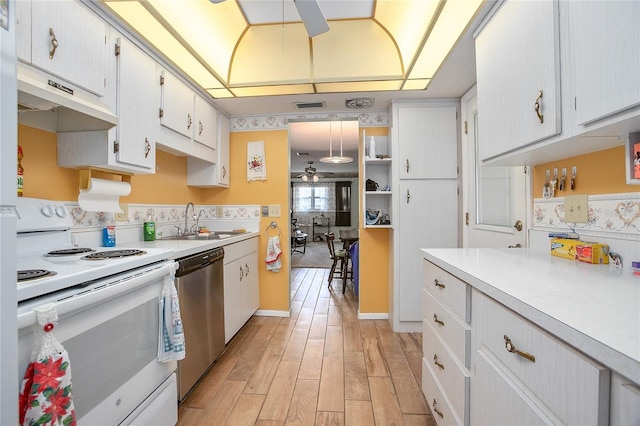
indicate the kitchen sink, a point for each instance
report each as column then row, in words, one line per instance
column 218, row 235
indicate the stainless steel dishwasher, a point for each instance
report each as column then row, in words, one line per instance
column 199, row 281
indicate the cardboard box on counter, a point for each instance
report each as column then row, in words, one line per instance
column 593, row 253
column 565, row 247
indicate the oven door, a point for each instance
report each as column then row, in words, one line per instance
column 110, row 330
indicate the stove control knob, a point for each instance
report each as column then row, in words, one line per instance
column 46, row 210
column 61, row 211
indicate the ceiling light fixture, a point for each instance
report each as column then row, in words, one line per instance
column 310, row 173
column 335, row 159
column 359, row 103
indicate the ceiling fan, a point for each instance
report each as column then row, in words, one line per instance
column 310, row 173
column 311, row 15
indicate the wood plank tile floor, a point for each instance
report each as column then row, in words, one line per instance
column 321, row 366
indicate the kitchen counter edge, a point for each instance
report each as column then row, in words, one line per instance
column 184, row 248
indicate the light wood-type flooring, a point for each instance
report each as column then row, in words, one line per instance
column 321, row 366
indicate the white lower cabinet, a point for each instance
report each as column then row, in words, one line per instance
column 484, row 364
column 445, row 345
column 241, row 286
column 523, row 375
column 625, row 401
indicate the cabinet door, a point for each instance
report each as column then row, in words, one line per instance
column 427, row 142
column 137, row 98
column 232, row 298
column 177, row 105
column 517, row 58
column 250, row 291
column 205, row 122
column 428, row 218
column 605, row 54
column 23, row 30
column 224, row 128
column 82, row 52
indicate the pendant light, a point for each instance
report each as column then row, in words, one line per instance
column 335, row 159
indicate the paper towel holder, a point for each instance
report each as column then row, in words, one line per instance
column 85, row 176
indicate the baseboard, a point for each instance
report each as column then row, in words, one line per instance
column 372, row 316
column 268, row 313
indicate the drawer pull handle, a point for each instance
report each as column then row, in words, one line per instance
column 435, row 361
column 435, row 408
column 438, row 283
column 536, row 108
column 54, row 43
column 511, row 348
column 437, row 321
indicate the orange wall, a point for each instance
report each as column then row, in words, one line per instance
column 601, row 172
column 274, row 286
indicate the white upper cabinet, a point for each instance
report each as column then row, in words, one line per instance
column 212, row 174
column 205, row 123
column 518, row 77
column 136, row 106
column 224, row 130
column 68, row 41
column 605, row 57
column 427, row 141
column 177, row 105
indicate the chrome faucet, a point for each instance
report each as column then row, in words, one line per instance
column 186, row 217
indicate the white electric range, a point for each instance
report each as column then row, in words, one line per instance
column 108, row 303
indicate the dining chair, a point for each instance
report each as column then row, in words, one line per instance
column 340, row 255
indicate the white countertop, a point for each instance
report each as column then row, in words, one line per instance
column 595, row 308
column 183, row 248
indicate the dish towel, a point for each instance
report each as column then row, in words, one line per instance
column 274, row 250
column 256, row 163
column 45, row 395
column 171, row 344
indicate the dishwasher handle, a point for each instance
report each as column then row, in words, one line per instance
column 201, row 260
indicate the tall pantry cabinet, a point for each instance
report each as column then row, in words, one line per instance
column 425, row 174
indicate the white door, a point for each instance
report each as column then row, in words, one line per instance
column 497, row 227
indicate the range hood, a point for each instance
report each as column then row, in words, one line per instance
column 76, row 111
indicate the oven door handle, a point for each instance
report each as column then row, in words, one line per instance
column 96, row 295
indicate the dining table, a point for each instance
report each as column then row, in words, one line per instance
column 348, row 237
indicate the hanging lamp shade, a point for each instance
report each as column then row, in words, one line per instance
column 335, row 159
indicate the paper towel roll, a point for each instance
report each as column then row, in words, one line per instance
column 103, row 195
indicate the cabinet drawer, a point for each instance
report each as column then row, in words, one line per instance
column 573, row 386
column 455, row 293
column 453, row 331
column 452, row 376
column 438, row 404
column 625, row 401
column 237, row 250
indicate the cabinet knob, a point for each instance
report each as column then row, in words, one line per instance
column 511, row 348
column 147, row 147
column 435, row 408
column 536, row 107
column 435, row 361
column 54, row 43
column 437, row 321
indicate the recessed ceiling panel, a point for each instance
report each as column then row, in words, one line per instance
column 266, row 56
column 210, row 29
column 273, row 90
column 359, row 86
column 272, row 11
column 355, row 51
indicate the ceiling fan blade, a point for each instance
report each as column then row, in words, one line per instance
column 312, row 17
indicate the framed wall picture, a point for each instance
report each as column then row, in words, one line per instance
column 632, row 155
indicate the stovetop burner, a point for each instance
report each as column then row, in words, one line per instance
column 113, row 254
column 34, row 274
column 70, row 251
